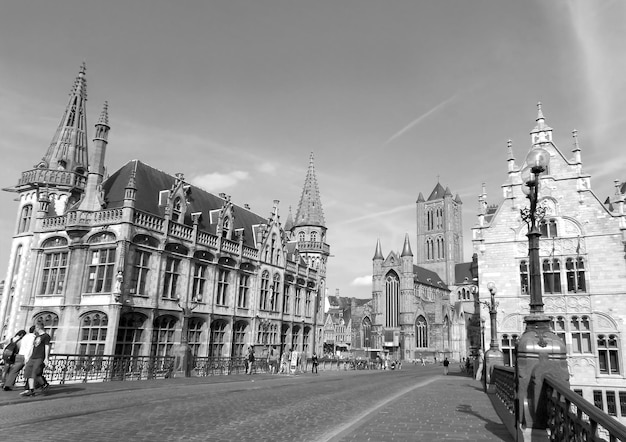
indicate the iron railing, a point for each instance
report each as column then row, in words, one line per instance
column 570, row 416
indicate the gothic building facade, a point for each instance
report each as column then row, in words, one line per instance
column 136, row 262
column 583, row 267
column 416, row 312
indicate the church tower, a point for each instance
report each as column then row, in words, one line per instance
column 439, row 244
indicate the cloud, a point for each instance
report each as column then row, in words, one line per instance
column 267, row 167
column 362, row 281
column 419, row 119
column 216, row 181
column 397, row 209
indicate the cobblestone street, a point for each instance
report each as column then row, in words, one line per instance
column 415, row 403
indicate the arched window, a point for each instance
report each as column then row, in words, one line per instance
column 130, row 334
column 50, row 322
column 25, row 217
column 194, row 334
column 421, row 332
column 306, row 338
column 93, row 333
column 240, row 339
column 392, row 298
column 218, row 332
column 367, row 332
column 313, row 236
column 176, row 209
column 301, row 236
column 446, row 333
column 295, row 338
column 163, row 335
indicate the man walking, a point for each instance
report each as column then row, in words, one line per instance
column 26, row 349
column 445, row 365
column 38, row 359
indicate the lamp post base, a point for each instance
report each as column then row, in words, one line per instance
column 539, row 352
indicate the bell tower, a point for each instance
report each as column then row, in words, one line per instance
column 440, row 232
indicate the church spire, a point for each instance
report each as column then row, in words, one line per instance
column 378, row 254
column 309, row 211
column 68, row 148
column 406, row 250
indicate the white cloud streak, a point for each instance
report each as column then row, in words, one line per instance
column 362, row 281
column 419, row 119
column 213, row 182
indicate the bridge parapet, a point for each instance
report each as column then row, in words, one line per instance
column 570, row 417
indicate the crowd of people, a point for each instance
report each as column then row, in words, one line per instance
column 29, row 351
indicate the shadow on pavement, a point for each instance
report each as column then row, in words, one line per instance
column 493, row 427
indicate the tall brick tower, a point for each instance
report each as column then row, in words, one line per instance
column 440, row 232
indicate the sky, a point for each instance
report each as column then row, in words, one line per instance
column 390, row 96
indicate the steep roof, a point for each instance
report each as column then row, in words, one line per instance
column 438, row 193
column 310, row 211
column 428, row 277
column 150, row 181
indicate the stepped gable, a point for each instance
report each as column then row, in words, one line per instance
column 150, row 181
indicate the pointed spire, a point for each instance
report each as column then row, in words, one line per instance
column 437, row 193
column 310, row 211
column 104, row 115
column 420, row 198
column 406, row 250
column 378, row 254
column 68, row 148
column 448, row 192
column 542, row 133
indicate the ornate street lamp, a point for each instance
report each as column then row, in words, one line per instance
column 539, row 350
column 493, row 356
column 183, row 361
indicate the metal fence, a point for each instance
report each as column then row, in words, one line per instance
column 570, row 416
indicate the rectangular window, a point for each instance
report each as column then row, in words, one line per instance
column 101, row 267
column 307, row 302
column 611, row 406
column 581, row 335
column 608, row 354
column 578, row 392
column 286, row 299
column 53, row 275
column 523, row 275
column 141, row 270
column 598, row 401
column 244, row 290
column 622, row 403
column 199, row 280
column 551, row 276
column 170, row 279
column 222, row 287
column 298, row 301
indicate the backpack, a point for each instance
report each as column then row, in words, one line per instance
column 8, row 356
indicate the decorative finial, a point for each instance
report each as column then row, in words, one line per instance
column 539, row 112
column 509, row 149
column 575, row 135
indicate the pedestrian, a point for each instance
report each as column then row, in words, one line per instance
column 35, row 365
column 250, row 359
column 445, row 365
column 314, row 363
column 9, row 355
column 23, row 355
column 423, row 361
column 468, row 366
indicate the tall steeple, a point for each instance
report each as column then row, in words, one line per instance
column 310, row 211
column 68, row 149
column 542, row 133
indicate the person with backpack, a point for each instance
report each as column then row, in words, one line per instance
column 9, row 354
